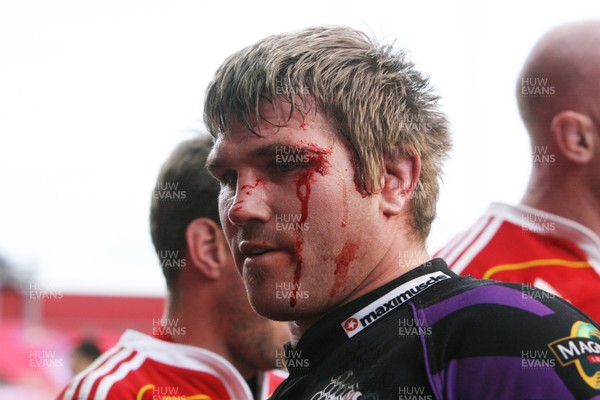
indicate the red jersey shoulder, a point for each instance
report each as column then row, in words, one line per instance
column 139, row 377
column 274, row 379
column 157, row 381
column 515, row 254
column 512, row 248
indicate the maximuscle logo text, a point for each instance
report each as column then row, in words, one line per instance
column 389, row 302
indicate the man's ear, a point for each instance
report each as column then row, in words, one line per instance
column 206, row 247
column 400, row 179
column 575, row 134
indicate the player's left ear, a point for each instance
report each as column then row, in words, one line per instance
column 206, row 247
column 400, row 179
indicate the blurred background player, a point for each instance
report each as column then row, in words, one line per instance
column 84, row 354
column 551, row 239
column 210, row 344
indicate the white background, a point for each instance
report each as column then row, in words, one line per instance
column 95, row 95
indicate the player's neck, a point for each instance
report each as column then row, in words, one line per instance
column 195, row 311
column 568, row 198
column 403, row 255
column 401, row 258
column 196, row 322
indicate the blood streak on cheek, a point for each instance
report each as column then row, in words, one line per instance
column 303, row 196
column 342, row 264
column 318, row 164
column 297, row 272
column 345, row 203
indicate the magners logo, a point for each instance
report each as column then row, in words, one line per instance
column 581, row 348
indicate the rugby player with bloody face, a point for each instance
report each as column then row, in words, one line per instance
column 368, row 141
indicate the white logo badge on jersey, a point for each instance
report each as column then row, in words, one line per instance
column 390, row 301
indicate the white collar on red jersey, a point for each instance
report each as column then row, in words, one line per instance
column 538, row 221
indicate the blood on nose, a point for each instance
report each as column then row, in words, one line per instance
column 241, row 210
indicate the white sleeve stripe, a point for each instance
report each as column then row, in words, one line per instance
column 466, row 240
column 265, row 378
column 443, row 252
column 479, row 244
column 102, row 371
column 124, row 369
column 70, row 392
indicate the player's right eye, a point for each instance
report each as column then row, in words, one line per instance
column 286, row 167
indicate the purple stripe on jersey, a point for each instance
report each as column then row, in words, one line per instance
column 500, row 378
column 436, row 385
column 489, row 294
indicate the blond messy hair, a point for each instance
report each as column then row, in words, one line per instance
column 371, row 95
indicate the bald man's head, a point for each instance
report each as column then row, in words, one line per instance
column 561, row 73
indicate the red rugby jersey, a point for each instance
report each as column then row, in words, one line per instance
column 142, row 367
column 523, row 244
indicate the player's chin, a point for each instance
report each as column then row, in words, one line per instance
column 278, row 309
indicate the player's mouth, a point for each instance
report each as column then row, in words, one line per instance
column 250, row 249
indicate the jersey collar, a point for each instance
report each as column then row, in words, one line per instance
column 343, row 323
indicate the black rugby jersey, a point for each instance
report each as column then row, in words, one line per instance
column 431, row 334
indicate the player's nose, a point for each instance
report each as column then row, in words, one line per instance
column 251, row 200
